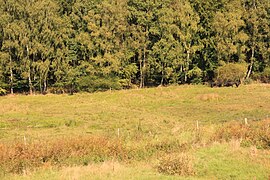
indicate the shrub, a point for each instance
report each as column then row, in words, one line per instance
column 176, row 164
column 231, row 72
column 196, row 75
column 255, row 133
column 57, row 90
column 95, row 83
column 20, row 157
column 263, row 77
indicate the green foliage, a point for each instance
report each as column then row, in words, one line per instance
column 230, row 37
column 195, row 75
column 94, row 83
column 2, row 91
column 263, row 76
column 231, row 72
column 52, row 43
column 266, row 75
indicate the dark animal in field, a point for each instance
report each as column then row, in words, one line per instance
column 232, row 83
column 229, row 83
column 238, row 82
column 215, row 84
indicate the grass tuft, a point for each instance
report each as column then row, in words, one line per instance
column 177, row 164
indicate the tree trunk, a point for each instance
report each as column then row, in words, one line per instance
column 187, row 65
column 162, row 77
column 11, row 81
column 40, row 87
column 254, row 4
column 71, row 86
column 141, row 78
column 144, row 60
column 11, row 73
column 40, row 84
column 45, row 85
column 29, row 73
column 251, row 63
column 162, row 73
column 30, row 82
column 249, row 70
column 144, row 66
column 141, row 71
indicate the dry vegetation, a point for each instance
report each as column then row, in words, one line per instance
column 255, row 133
column 177, row 164
column 21, row 157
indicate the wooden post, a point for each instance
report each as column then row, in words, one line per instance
column 246, row 121
column 24, row 140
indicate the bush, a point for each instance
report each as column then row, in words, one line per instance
column 255, row 133
column 231, row 72
column 3, row 92
column 266, row 75
column 95, row 83
column 195, row 75
column 248, row 81
column 176, row 164
column 263, row 77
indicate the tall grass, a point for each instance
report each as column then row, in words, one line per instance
column 20, row 157
column 255, row 133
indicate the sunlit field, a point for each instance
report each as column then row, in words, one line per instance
column 177, row 132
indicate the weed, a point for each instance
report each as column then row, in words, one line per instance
column 255, row 133
column 176, row 164
column 19, row 157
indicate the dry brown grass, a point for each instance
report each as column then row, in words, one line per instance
column 79, row 172
column 177, row 164
column 20, row 157
column 209, row 97
column 254, row 133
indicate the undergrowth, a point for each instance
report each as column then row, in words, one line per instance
column 254, row 133
column 177, row 164
column 20, row 157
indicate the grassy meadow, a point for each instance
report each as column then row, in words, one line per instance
column 177, row 132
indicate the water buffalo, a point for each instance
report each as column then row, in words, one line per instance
column 228, row 83
column 232, row 83
column 216, row 84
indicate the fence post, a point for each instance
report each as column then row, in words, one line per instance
column 246, row 121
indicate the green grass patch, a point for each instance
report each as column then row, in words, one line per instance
column 219, row 162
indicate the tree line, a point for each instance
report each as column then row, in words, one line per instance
column 89, row 45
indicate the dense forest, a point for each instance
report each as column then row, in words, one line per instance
column 89, row 45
